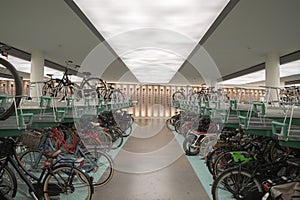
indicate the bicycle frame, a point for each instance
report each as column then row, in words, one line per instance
column 57, row 136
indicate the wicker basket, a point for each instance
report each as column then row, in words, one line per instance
column 32, row 139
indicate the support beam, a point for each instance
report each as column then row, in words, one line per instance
column 273, row 74
column 36, row 73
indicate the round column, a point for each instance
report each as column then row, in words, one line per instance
column 273, row 74
column 36, row 73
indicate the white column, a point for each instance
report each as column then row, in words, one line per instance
column 37, row 73
column 273, row 73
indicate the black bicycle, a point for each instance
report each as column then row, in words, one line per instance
column 59, row 179
column 63, row 87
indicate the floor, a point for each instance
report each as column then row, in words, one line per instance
column 152, row 166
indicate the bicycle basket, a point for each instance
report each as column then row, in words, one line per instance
column 6, row 147
column 32, row 139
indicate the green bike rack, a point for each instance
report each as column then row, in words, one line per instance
column 243, row 121
column 233, row 103
column 23, row 116
column 256, row 105
column 45, row 101
column 70, row 102
column 3, row 99
column 283, row 131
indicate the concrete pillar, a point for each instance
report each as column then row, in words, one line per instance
column 273, row 74
column 36, row 73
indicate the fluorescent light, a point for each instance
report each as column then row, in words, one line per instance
column 166, row 26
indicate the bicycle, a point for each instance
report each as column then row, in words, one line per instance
column 63, row 87
column 59, row 179
column 245, row 181
column 7, row 106
column 124, row 121
column 92, row 84
column 107, row 121
column 97, row 164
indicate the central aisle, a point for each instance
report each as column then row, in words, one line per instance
column 152, row 166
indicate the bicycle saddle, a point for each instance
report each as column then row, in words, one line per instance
column 52, row 154
column 87, row 74
column 50, row 75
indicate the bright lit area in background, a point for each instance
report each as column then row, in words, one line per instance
column 286, row 70
column 172, row 19
column 25, row 66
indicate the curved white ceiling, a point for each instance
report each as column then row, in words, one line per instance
column 152, row 37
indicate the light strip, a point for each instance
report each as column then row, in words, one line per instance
column 131, row 27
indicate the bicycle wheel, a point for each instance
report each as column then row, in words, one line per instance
column 105, row 167
column 205, row 142
column 209, row 148
column 223, row 162
column 8, row 182
column 7, row 107
column 190, row 145
column 211, row 158
column 116, row 96
column 169, row 124
column 117, row 137
column 32, row 160
column 126, row 128
column 177, row 96
column 67, row 182
column 99, row 140
column 236, row 184
column 94, row 84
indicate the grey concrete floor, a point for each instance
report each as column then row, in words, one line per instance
column 152, row 166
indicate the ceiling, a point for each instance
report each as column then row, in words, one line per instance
column 240, row 38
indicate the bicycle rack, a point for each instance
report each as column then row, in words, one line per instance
column 288, row 131
column 16, row 124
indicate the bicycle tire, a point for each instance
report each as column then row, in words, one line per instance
column 17, row 86
column 188, row 149
column 8, row 183
column 223, row 162
column 205, row 142
column 242, row 182
column 177, row 96
column 117, row 137
column 116, row 96
column 67, row 182
column 102, row 142
column 211, row 158
column 169, row 124
column 209, row 148
column 32, row 160
column 96, row 84
column 105, row 167
column 126, row 128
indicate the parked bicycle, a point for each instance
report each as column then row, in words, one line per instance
column 63, row 87
column 59, row 179
column 97, row 164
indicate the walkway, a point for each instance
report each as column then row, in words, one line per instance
column 152, row 166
